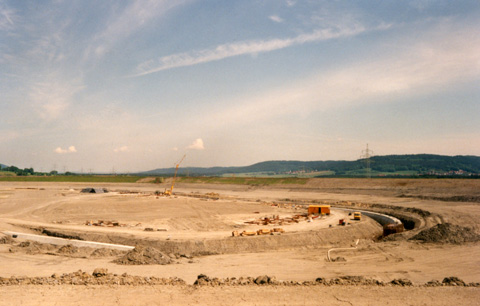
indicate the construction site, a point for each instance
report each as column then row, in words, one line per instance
column 350, row 241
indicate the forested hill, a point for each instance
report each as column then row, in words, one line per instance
column 424, row 164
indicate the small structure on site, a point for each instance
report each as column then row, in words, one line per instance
column 94, row 190
column 392, row 228
column 319, row 209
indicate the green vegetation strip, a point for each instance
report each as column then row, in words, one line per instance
column 244, row 180
column 72, row 178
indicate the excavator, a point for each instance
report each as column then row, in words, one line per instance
column 170, row 192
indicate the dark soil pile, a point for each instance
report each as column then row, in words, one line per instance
column 144, row 256
column 453, row 281
column 447, row 233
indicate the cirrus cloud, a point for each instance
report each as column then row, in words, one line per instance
column 241, row 48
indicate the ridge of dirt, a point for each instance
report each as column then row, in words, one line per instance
column 456, row 198
column 98, row 277
column 101, row 276
column 33, row 247
column 447, row 233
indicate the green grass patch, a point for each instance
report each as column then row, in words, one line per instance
column 280, row 175
column 73, row 178
column 7, row 173
column 257, row 181
column 362, row 172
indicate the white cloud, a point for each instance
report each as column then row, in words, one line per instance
column 71, row 149
column 197, row 145
column 241, row 48
column 276, row 18
column 121, row 149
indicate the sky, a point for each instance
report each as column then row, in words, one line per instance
column 126, row 86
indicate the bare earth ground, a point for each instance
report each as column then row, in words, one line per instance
column 193, row 231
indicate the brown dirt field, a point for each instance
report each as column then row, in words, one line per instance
column 194, row 229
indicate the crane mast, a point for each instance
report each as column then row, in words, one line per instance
column 169, row 192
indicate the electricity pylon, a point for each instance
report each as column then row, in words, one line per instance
column 366, row 154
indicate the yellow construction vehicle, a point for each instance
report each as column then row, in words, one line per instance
column 357, row 215
column 170, row 192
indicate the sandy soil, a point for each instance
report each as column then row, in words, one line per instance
column 174, row 295
column 193, row 223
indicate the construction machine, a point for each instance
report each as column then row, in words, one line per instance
column 170, row 192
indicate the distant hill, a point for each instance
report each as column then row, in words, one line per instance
column 3, row 166
column 389, row 165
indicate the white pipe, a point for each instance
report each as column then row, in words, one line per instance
column 336, row 249
column 62, row 241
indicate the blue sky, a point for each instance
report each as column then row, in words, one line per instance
column 135, row 85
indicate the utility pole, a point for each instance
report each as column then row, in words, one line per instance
column 366, row 154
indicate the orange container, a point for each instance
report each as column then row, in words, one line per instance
column 319, row 209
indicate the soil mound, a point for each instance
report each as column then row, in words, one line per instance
column 106, row 253
column 447, row 233
column 144, row 256
column 453, row 281
column 6, row 239
column 67, row 249
column 31, row 247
